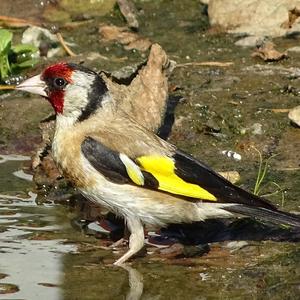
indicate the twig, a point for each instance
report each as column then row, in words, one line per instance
column 64, row 45
column 205, row 63
column 16, row 22
column 76, row 24
column 7, row 87
column 292, row 169
column 280, row 110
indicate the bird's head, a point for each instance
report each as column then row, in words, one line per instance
column 73, row 90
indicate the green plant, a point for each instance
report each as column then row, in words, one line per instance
column 14, row 58
column 261, row 174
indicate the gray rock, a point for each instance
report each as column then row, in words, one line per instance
column 294, row 49
column 294, row 115
column 254, row 17
column 249, row 41
column 256, row 129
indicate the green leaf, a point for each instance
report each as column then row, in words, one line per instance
column 23, row 48
column 4, row 66
column 26, row 64
column 5, row 40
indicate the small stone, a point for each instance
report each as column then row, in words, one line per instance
column 232, row 154
column 294, row 49
column 294, row 115
column 175, row 250
column 211, row 125
column 198, row 250
column 249, row 41
column 256, row 129
column 232, row 176
column 180, row 250
column 236, row 245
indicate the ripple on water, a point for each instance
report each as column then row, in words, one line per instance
column 33, row 267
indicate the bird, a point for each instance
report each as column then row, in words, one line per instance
column 121, row 165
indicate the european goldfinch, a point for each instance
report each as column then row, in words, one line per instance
column 116, row 162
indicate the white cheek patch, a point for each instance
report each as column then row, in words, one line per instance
column 76, row 95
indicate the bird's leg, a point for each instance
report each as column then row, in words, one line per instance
column 136, row 239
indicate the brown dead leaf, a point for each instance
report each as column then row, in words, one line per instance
column 267, row 52
column 145, row 98
column 294, row 14
column 47, row 128
column 124, row 36
column 49, row 169
column 46, row 172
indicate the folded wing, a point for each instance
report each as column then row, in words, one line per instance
column 179, row 174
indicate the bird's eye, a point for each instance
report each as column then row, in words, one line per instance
column 59, row 83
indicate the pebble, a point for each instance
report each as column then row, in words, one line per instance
column 232, row 154
column 256, row 129
column 249, row 41
column 232, row 176
column 294, row 49
column 294, row 115
column 236, row 245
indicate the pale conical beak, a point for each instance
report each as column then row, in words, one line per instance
column 33, row 85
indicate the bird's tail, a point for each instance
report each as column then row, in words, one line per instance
column 265, row 214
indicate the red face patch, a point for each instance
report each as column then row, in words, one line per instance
column 57, row 77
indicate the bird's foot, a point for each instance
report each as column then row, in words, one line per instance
column 120, row 242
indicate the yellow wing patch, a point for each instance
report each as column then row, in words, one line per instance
column 163, row 169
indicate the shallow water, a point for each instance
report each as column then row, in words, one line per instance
column 30, row 262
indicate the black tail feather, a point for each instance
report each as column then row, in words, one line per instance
column 264, row 214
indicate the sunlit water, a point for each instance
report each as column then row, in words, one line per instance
column 31, row 263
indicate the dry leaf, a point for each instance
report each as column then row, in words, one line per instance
column 267, row 52
column 146, row 96
column 294, row 14
column 123, row 35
